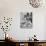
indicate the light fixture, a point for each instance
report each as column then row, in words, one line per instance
column 7, row 21
column 35, row 3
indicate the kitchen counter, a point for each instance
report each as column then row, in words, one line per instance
column 38, row 41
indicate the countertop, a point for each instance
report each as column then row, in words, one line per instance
column 38, row 41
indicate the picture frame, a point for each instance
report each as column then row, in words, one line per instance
column 26, row 20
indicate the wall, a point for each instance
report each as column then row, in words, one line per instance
column 12, row 8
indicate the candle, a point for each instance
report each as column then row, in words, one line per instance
column 7, row 35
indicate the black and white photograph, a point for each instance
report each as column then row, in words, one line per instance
column 26, row 20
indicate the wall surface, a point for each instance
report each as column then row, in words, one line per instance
column 12, row 8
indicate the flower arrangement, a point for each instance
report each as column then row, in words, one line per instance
column 7, row 21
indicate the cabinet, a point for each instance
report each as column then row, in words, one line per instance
column 30, row 44
column 42, row 44
column 2, row 43
column 37, row 43
column 23, row 43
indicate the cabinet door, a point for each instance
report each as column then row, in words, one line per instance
column 2, row 44
column 31, row 44
column 35, row 44
column 44, row 44
column 17, row 44
column 40, row 44
column 25, row 44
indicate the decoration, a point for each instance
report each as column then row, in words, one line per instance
column 26, row 20
column 35, row 3
column 6, row 24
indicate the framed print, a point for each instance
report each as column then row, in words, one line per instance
column 26, row 20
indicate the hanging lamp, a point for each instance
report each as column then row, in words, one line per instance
column 35, row 3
